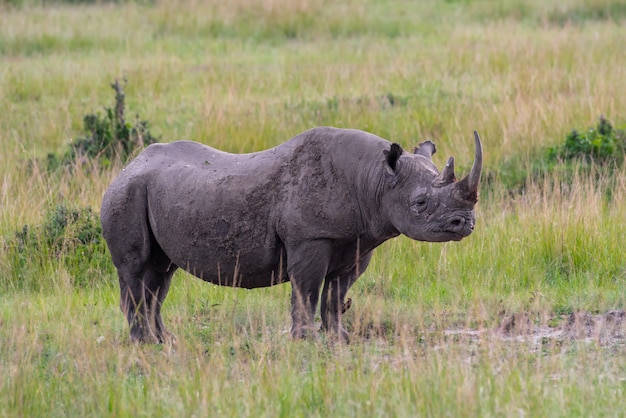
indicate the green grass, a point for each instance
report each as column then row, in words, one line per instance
column 249, row 74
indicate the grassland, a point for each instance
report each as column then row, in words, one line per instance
column 427, row 319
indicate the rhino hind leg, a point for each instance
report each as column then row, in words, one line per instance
column 145, row 274
column 141, row 301
column 157, row 284
column 143, row 268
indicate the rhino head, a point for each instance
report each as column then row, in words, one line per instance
column 425, row 204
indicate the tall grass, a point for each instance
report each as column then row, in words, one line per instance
column 249, row 74
column 501, row 76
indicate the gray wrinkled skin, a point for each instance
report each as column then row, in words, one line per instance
column 309, row 211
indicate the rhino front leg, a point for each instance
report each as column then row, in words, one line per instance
column 333, row 303
column 307, row 265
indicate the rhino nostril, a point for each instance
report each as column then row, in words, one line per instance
column 457, row 222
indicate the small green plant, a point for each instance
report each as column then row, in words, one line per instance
column 69, row 236
column 106, row 137
column 602, row 144
column 66, row 227
column 598, row 150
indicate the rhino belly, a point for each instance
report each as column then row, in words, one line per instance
column 249, row 270
column 230, row 252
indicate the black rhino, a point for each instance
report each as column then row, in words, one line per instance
column 309, row 211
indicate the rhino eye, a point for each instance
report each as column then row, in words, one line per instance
column 419, row 204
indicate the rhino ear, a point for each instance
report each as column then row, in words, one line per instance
column 391, row 158
column 426, row 148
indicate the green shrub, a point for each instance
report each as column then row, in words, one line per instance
column 597, row 151
column 107, row 137
column 69, row 237
column 601, row 145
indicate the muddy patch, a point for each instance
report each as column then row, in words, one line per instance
column 605, row 329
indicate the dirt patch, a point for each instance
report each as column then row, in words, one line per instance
column 516, row 324
column 605, row 329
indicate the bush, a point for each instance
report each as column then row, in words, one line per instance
column 69, row 237
column 602, row 145
column 107, row 137
column 597, row 151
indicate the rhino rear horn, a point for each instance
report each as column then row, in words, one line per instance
column 468, row 187
column 446, row 176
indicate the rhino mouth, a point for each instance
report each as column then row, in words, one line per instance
column 456, row 236
column 455, row 232
column 453, row 236
column 446, row 235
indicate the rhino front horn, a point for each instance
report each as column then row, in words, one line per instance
column 469, row 185
column 477, row 168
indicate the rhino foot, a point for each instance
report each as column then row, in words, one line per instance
column 303, row 333
column 144, row 335
column 340, row 335
column 142, row 338
column 167, row 338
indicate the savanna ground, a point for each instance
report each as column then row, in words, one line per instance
column 523, row 318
